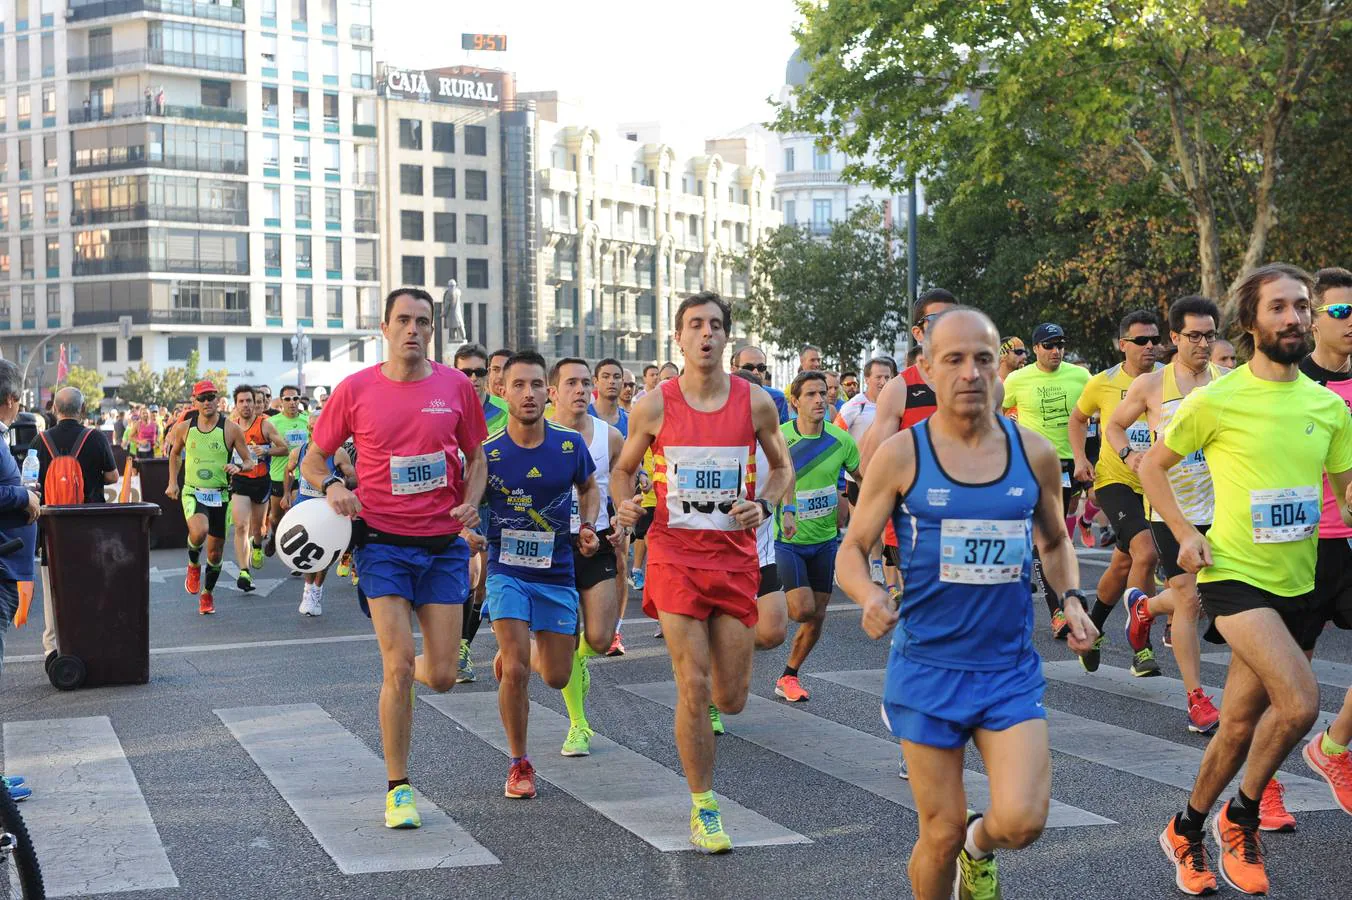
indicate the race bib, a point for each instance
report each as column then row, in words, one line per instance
column 295, row 438
column 1194, row 463
column 527, row 549
column 817, row 504
column 709, row 480
column 207, row 497
column 1065, row 479
column 1138, row 437
column 309, row 490
column 1284, row 514
column 575, row 516
column 417, row 474
column 981, row 551
column 1092, row 430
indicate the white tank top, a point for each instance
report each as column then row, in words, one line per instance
column 765, row 533
column 599, row 448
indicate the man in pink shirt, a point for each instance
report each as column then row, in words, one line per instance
column 413, row 421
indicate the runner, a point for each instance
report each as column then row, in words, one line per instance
column 1157, row 395
column 856, row 416
column 534, row 466
column 609, row 376
column 1116, row 485
column 752, row 359
column 201, row 445
column 1331, row 365
column 265, row 403
column 294, row 427
column 806, row 531
column 1043, row 395
column 496, row 360
column 833, row 401
column 650, row 373
column 703, row 429
column 849, row 383
column 297, row 490
column 810, row 358
column 1266, row 432
column 415, row 497
column 1013, row 356
column 251, row 488
column 472, row 361
column 1223, row 354
column 570, row 387
column 144, row 435
column 627, row 391
column 971, row 490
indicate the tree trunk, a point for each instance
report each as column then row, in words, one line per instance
column 1197, row 189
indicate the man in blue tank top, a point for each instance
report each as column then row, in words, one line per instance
column 972, row 491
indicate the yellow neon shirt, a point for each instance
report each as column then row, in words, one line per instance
column 1045, row 399
column 1101, row 395
column 1267, row 444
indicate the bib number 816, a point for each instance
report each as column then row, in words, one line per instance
column 706, row 479
column 983, row 552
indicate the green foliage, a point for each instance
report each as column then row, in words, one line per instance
column 842, row 291
column 88, row 382
column 141, row 385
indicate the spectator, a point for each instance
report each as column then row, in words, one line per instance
column 119, row 426
column 19, row 509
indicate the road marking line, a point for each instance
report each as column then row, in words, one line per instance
column 330, row 779
column 1332, row 674
column 89, row 821
column 638, row 794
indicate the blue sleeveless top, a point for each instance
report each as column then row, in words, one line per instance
column 966, row 553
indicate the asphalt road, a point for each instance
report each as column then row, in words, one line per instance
column 213, row 822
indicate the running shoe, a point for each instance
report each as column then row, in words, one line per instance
column 715, row 719
column 616, row 645
column 788, row 687
column 464, row 671
column 14, row 780
column 256, row 557
column 1272, row 812
column 18, row 791
column 578, row 742
column 1091, row 659
column 400, row 811
column 1188, row 854
column 1335, row 768
column 245, row 581
column 270, row 544
column 1241, row 853
column 976, row 879
column 1139, row 618
column 1168, row 639
column 520, row 780
column 903, row 772
column 193, row 582
column 1087, row 534
column 875, row 572
column 345, row 565
column 317, row 600
column 638, row 577
column 306, row 601
column 658, row 633
column 1202, row 713
column 206, row 606
column 706, row 830
column 1143, row 664
column 1060, row 627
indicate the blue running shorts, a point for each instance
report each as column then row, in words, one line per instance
column 940, row 707
column 546, row 607
column 414, row 573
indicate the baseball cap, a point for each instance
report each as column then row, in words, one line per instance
column 204, row 387
column 1048, row 331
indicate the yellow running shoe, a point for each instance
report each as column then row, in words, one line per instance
column 256, row 558
column 399, row 809
column 715, row 720
column 345, row 565
column 706, row 830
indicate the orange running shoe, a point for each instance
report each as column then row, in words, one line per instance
column 1272, row 812
column 1060, row 627
column 1335, row 768
column 1192, row 874
column 616, row 645
column 788, row 687
column 520, row 781
column 207, row 605
column 193, row 583
column 1202, row 713
column 1241, row 853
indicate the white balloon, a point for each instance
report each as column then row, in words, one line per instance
column 311, row 536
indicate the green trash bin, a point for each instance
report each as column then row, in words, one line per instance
column 98, row 559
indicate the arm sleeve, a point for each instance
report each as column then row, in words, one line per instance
column 1339, row 457
column 1193, row 426
column 472, row 430
column 335, row 426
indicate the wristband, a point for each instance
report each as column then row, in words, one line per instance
column 328, row 483
column 765, row 507
column 789, row 508
column 587, row 525
column 1078, row 595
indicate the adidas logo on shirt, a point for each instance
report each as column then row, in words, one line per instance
column 533, row 473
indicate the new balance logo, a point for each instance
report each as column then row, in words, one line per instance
column 937, row 496
column 1014, row 492
column 533, row 473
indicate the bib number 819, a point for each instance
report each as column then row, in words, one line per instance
column 527, row 548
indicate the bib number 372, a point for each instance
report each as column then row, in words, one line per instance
column 980, row 551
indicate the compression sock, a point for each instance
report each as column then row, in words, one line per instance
column 1244, row 809
column 1329, row 746
column 1090, row 512
column 704, row 800
column 575, row 691
column 194, row 554
column 1190, row 820
column 1098, row 614
column 1039, row 584
column 473, row 616
column 213, row 573
column 394, row 784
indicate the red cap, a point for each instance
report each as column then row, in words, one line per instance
column 204, row 387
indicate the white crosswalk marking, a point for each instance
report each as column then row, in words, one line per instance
column 326, row 775
column 90, row 824
column 852, row 756
column 1338, row 675
column 1114, row 747
column 636, row 793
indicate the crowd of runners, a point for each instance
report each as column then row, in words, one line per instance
column 942, row 497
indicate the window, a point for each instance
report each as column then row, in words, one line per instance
column 299, row 13
column 443, row 227
column 443, row 137
column 476, row 273
column 476, row 229
column 411, row 180
column 790, row 212
column 25, row 106
column 443, row 182
column 133, row 349
column 253, row 349
column 269, row 50
column 215, row 349
column 821, row 215
column 320, row 349
column 410, row 134
column 330, row 11
column 302, row 204
column 411, row 225
column 300, row 104
column 329, row 61
column 48, row 100
column 333, row 205
column 53, row 255
column 362, row 76
column 181, row 346
column 356, row 351
column 272, row 201
column 333, row 305
column 476, row 140
column 51, row 204
column 300, row 54
column 444, row 269
column 333, row 255
column 821, row 159
column 272, row 251
column 302, row 251
column 788, row 159
column 272, row 300
column 367, row 269
column 288, row 354
column 109, row 349
column 301, row 153
column 413, row 270
column 476, row 184
column 330, row 109
column 333, row 153
column 48, row 43
column 272, row 150
column 305, row 301
column 54, row 309
column 23, row 55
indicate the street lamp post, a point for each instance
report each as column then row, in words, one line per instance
column 300, row 346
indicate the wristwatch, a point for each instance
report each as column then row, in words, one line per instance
column 329, row 482
column 765, row 506
column 1124, row 453
column 1078, row 595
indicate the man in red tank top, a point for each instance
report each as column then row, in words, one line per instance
column 703, row 571
column 249, row 489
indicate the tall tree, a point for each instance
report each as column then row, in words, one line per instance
column 89, row 383
column 1199, row 94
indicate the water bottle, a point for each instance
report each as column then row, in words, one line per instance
column 30, row 469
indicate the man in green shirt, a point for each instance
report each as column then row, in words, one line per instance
column 294, row 426
column 806, row 529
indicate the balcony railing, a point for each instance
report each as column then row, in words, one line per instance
column 146, row 264
column 363, row 131
column 360, row 33
column 368, row 323
column 139, row 212
column 226, row 114
column 562, row 320
column 184, row 316
column 363, row 273
column 187, row 163
column 213, row 11
column 155, row 56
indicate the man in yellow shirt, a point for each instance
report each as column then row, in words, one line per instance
column 1115, row 485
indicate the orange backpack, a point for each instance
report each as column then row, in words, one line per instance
column 64, row 484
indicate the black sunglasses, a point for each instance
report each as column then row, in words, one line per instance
column 1143, row 339
column 923, row 322
column 750, row 367
column 1019, row 351
column 292, row 398
column 205, row 398
column 476, row 373
column 1053, row 345
column 629, row 384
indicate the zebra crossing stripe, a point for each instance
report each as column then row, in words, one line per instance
column 89, row 821
column 331, row 780
column 1332, row 674
column 638, row 794
column 1122, row 749
column 844, row 753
